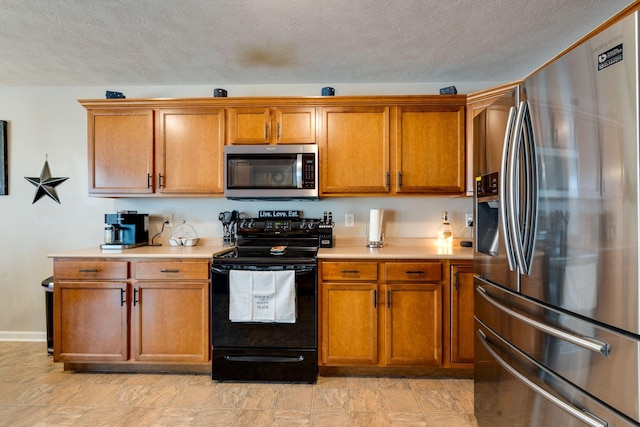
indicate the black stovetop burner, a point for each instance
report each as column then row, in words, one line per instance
column 274, row 241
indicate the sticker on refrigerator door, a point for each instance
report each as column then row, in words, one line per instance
column 610, row 57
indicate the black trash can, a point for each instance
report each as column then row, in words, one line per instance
column 47, row 284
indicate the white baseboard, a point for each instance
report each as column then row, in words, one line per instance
column 23, row 336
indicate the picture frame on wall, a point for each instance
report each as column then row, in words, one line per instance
column 4, row 160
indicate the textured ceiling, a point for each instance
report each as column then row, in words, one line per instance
column 195, row 42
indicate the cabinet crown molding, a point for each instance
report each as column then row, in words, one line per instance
column 318, row 101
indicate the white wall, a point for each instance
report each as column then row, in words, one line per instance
column 48, row 122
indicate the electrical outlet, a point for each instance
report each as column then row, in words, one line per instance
column 468, row 219
column 349, row 220
column 168, row 218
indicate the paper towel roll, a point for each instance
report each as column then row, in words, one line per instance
column 375, row 225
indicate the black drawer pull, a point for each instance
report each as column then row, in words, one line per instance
column 169, row 271
column 350, row 271
column 418, row 272
column 88, row 270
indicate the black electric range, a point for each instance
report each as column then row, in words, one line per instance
column 259, row 350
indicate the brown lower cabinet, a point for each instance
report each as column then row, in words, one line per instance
column 462, row 330
column 131, row 311
column 383, row 313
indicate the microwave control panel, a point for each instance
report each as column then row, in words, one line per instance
column 308, row 171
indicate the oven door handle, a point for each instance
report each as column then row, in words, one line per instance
column 262, row 359
column 298, row 270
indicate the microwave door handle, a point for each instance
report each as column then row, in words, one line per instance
column 503, row 189
column 299, row 170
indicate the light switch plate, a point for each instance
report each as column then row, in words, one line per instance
column 349, row 220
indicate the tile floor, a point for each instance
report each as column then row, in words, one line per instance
column 34, row 391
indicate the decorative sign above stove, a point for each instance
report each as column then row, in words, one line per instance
column 279, row 214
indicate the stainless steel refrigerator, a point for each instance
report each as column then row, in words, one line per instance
column 557, row 302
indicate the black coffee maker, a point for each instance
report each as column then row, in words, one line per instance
column 125, row 229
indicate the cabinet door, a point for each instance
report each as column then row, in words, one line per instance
column 296, row 125
column 189, row 144
column 477, row 103
column 90, row 321
column 170, row 321
column 249, row 125
column 430, row 150
column 120, row 151
column 462, row 333
column 354, row 150
column 349, row 324
column 413, row 324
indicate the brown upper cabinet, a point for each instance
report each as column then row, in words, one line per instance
column 392, row 150
column 354, row 150
column 476, row 103
column 189, row 148
column 266, row 125
column 430, row 149
column 155, row 151
column 368, row 145
column 120, row 151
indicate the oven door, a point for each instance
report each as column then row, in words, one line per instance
column 302, row 334
column 255, row 351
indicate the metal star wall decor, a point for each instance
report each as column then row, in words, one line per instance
column 46, row 184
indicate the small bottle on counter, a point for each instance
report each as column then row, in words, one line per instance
column 445, row 232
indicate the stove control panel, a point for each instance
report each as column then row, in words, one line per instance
column 277, row 225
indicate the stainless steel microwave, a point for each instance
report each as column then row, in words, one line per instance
column 272, row 172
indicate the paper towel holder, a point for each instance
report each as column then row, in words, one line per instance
column 375, row 243
column 375, row 239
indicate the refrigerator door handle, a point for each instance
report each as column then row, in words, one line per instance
column 513, row 188
column 589, row 343
column 504, row 189
column 580, row 414
column 531, row 189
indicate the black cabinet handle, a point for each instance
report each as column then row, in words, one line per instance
column 169, row 271
column 278, row 131
column 416, row 272
column 350, row 271
column 88, row 270
column 455, row 281
column 388, row 180
column 375, row 299
column 135, row 297
column 388, row 299
column 148, row 180
column 399, row 179
column 160, row 183
column 266, row 131
column 123, row 298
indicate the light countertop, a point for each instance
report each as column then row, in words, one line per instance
column 200, row 251
column 356, row 248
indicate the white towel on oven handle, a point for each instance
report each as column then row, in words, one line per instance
column 262, row 296
column 240, row 296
